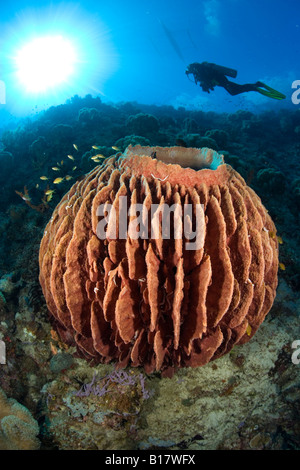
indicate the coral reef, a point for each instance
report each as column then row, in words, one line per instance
column 6, row 165
column 142, row 124
column 296, row 191
column 270, row 179
column 103, row 414
column 39, row 152
column 131, row 140
column 247, row 399
column 18, row 429
column 196, row 140
column 154, row 301
column 220, row 136
column 91, row 117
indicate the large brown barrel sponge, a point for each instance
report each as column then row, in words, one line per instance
column 152, row 301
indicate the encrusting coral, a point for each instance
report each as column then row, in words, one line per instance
column 18, row 429
column 151, row 300
column 142, row 124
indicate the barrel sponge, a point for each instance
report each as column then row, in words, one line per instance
column 18, row 428
column 151, row 300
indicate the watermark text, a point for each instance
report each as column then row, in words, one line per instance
column 161, row 221
column 2, row 352
column 296, row 94
column 296, row 353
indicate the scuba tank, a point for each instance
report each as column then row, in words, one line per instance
column 223, row 70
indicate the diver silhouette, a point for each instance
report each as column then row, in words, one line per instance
column 210, row 75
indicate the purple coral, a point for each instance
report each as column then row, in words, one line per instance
column 146, row 393
column 120, row 377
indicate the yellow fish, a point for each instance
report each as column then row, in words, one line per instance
column 249, row 329
column 280, row 241
column 55, row 168
column 96, row 160
column 68, row 177
column 95, row 147
column 95, row 157
column 49, row 197
column 71, row 157
column 282, row 266
column 58, row 180
column 50, row 191
column 44, row 178
column 272, row 234
column 116, row 148
column 75, row 147
column 74, row 168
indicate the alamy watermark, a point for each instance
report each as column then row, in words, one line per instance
column 154, row 222
column 296, row 94
column 2, row 352
column 296, row 353
column 2, row 92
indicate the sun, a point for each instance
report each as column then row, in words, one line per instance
column 52, row 53
column 45, row 62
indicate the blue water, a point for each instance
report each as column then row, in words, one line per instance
column 126, row 49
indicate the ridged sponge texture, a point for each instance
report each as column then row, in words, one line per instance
column 150, row 300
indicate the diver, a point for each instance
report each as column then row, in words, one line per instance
column 210, row 75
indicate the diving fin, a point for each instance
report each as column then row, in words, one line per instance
column 270, row 92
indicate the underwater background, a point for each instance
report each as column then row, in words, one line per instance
column 128, row 86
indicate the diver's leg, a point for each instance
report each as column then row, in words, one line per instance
column 236, row 88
